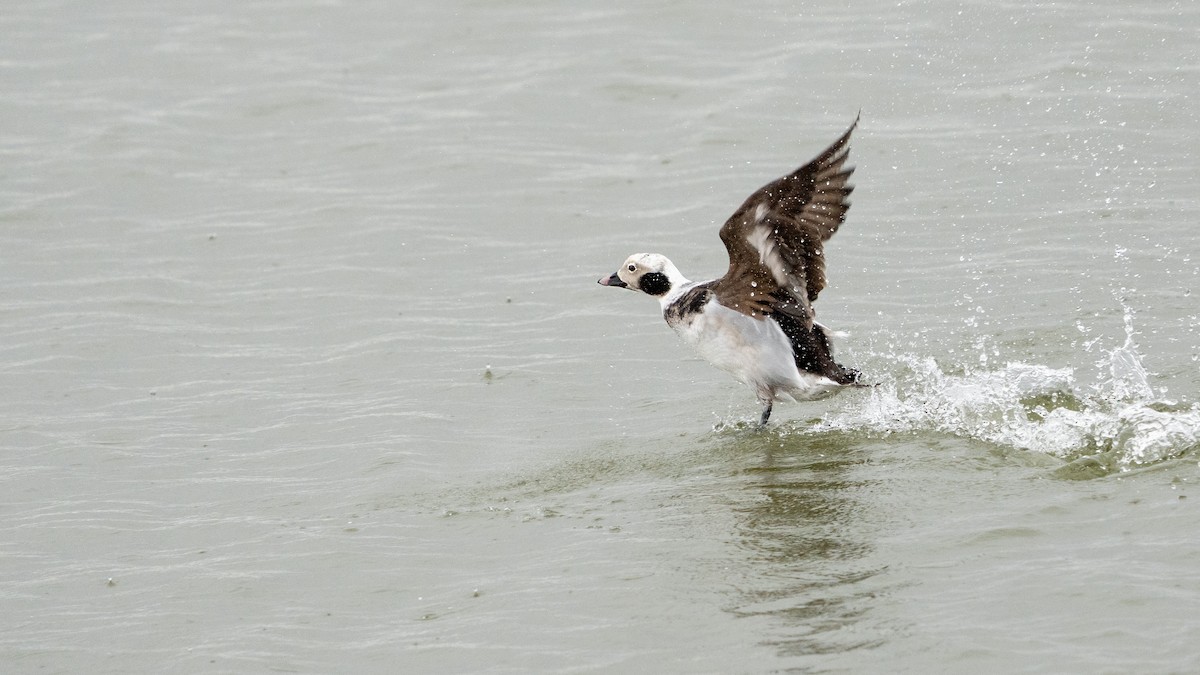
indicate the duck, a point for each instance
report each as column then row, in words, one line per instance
column 757, row 322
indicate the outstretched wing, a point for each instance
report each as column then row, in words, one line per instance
column 776, row 238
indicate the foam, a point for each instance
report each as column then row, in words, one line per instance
column 1119, row 421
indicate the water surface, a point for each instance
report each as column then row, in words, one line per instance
column 304, row 366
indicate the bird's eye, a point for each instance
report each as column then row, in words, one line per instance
column 633, row 268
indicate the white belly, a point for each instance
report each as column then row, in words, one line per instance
column 754, row 351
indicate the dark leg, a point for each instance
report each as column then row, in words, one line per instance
column 762, row 421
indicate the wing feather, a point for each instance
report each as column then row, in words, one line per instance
column 775, row 239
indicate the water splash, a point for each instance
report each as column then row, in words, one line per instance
column 1116, row 424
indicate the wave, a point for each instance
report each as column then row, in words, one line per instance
column 1116, row 424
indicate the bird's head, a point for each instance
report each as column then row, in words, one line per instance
column 650, row 273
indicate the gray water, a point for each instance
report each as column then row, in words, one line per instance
column 304, row 367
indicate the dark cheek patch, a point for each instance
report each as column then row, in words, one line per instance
column 654, row 283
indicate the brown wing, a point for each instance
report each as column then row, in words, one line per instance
column 775, row 239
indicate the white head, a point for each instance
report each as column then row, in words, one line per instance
column 650, row 273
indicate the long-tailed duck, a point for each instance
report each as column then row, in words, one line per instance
column 757, row 321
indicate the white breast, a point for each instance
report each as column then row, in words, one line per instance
column 754, row 351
